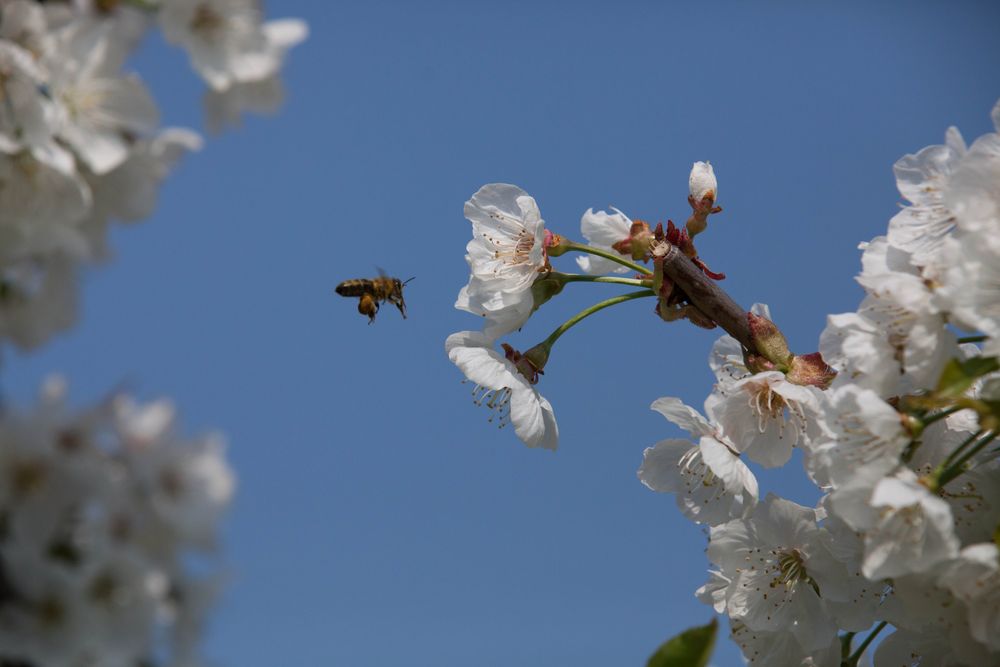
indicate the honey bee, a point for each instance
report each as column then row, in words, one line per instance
column 372, row 291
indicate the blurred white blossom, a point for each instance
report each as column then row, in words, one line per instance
column 101, row 507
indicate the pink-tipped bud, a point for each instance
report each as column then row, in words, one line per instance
column 704, row 191
column 769, row 341
column 810, row 369
column 702, row 183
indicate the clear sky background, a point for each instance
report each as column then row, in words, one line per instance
column 380, row 520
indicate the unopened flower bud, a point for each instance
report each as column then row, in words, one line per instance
column 702, row 183
column 769, row 341
column 811, row 370
column 704, row 191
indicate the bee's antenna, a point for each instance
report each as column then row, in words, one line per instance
column 408, row 280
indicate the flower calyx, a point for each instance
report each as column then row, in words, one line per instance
column 546, row 287
column 555, row 245
column 530, row 364
column 639, row 243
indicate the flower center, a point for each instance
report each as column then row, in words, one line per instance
column 789, row 569
column 698, row 477
column 770, row 406
column 497, row 401
column 767, row 405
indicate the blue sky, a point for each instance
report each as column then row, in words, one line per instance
column 380, row 520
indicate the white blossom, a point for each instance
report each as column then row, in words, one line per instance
column 860, row 435
column 602, row 230
column 780, row 567
column 710, row 481
column 91, row 571
column 502, row 388
column 912, row 530
column 226, row 40
column 920, row 227
column 505, row 256
column 764, row 415
column 974, row 578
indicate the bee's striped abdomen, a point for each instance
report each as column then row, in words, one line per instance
column 355, row 287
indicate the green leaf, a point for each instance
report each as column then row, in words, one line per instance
column 691, row 648
column 958, row 376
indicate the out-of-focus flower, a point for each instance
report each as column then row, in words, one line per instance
column 226, row 40
column 102, row 508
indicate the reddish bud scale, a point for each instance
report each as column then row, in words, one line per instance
column 811, row 370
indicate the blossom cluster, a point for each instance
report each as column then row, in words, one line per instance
column 893, row 418
column 102, row 511
column 898, row 445
column 80, row 141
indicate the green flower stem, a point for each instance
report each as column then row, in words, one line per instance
column 591, row 250
column 958, row 467
column 927, row 421
column 845, row 644
column 571, row 322
column 957, row 452
column 580, row 278
column 853, row 660
column 972, row 339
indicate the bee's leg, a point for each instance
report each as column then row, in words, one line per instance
column 368, row 306
column 398, row 301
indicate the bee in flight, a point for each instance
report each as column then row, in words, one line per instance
column 372, row 291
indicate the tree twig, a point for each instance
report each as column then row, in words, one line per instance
column 708, row 296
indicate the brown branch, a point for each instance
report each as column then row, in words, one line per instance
column 706, row 294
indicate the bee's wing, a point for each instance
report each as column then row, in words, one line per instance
column 381, row 272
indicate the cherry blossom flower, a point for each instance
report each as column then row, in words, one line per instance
column 506, row 255
column 974, row 578
column 227, row 41
column 603, row 230
column 780, row 568
column 92, row 559
column 99, row 106
column 502, row 388
column 710, row 481
column 860, row 435
column 765, row 415
column 922, row 178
